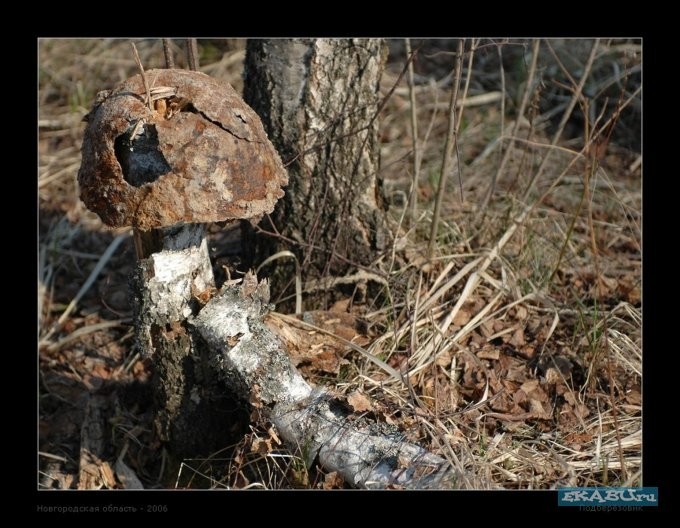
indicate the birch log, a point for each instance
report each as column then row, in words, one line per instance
column 190, row 400
column 252, row 360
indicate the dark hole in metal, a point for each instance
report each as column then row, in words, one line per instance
column 140, row 158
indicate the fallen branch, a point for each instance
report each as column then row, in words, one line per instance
column 368, row 454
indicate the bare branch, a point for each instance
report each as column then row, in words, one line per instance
column 141, row 70
column 167, row 51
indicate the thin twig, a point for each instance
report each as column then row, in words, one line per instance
column 520, row 114
column 473, row 48
column 106, row 256
column 192, row 54
column 588, row 175
column 518, row 221
column 500, row 145
column 167, row 51
column 414, row 134
column 565, row 117
column 298, row 275
column 141, row 70
column 448, row 150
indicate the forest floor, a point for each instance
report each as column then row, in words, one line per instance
column 519, row 340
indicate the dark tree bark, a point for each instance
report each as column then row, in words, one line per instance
column 196, row 414
column 318, row 100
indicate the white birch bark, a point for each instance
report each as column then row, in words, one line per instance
column 366, row 453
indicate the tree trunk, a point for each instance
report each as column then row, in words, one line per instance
column 195, row 412
column 318, row 100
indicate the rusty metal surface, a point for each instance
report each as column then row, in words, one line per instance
column 199, row 155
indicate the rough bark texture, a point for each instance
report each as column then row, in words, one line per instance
column 194, row 410
column 368, row 454
column 318, row 99
column 209, row 356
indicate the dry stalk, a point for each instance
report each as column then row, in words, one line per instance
column 448, row 150
column 106, row 256
column 141, row 71
column 192, row 54
column 167, row 51
column 414, row 134
column 520, row 114
column 565, row 117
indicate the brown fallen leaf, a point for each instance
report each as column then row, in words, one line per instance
column 529, row 386
column 333, row 481
column 486, row 328
column 318, row 351
column 633, row 397
column 462, row 317
column 517, row 338
column 578, row 438
column 359, row 402
column 488, row 353
column 341, row 306
column 261, row 446
column 521, row 313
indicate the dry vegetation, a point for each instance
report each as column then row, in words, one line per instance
column 519, row 340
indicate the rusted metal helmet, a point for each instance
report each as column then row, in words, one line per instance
column 194, row 152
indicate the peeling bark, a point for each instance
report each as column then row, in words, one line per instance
column 208, row 355
column 195, row 412
column 252, row 360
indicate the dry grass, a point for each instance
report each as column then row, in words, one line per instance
column 518, row 343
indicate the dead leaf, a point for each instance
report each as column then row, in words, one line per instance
column 314, row 351
column 203, row 296
column 529, row 386
column 359, row 402
column 461, row 318
column 581, row 411
column 520, row 397
column 537, row 408
column 517, row 339
column 403, row 461
column 570, row 398
column 341, row 306
column 274, row 436
column 326, row 361
column 553, row 376
column 477, row 339
column 629, row 289
column 444, row 360
column 333, row 481
column 232, row 341
column 527, row 351
column 249, row 285
column 633, row 397
column 254, row 398
column 261, row 446
column 488, row 353
column 578, row 438
column 521, row 313
column 487, row 328
column 603, row 287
